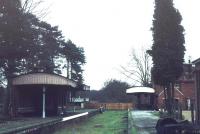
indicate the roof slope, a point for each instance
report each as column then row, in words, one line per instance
column 42, row 79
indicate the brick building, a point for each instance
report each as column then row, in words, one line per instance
column 197, row 90
column 184, row 88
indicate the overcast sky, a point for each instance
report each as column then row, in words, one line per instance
column 109, row 30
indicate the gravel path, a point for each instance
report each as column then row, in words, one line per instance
column 145, row 121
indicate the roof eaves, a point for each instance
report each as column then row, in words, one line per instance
column 196, row 61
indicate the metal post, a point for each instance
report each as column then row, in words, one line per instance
column 70, row 96
column 192, row 111
column 43, row 102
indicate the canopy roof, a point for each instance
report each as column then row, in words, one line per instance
column 140, row 90
column 42, row 79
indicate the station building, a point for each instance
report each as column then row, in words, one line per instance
column 42, row 94
column 146, row 98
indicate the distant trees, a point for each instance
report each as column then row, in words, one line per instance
column 28, row 44
column 168, row 47
column 113, row 91
column 139, row 69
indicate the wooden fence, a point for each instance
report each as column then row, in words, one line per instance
column 110, row 106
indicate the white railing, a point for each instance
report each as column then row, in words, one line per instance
column 80, row 100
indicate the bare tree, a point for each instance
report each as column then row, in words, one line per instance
column 35, row 7
column 139, row 68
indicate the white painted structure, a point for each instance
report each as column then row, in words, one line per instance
column 140, row 90
column 43, row 79
column 74, row 116
column 80, row 99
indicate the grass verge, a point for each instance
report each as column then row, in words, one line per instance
column 156, row 113
column 110, row 122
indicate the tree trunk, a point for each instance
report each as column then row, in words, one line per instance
column 6, row 102
column 68, row 68
column 169, row 102
column 165, row 97
column 9, row 76
column 172, row 98
column 8, row 96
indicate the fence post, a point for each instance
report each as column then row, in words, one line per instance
column 181, row 117
column 192, row 112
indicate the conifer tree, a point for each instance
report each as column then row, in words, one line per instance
column 29, row 45
column 168, row 47
column 13, row 37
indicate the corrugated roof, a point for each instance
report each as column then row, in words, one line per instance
column 42, row 79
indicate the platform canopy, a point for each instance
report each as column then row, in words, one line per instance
column 135, row 90
column 42, row 79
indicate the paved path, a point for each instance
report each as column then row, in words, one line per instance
column 144, row 121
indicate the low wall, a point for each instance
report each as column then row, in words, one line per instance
column 52, row 126
column 110, row 106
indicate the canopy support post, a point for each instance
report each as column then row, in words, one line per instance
column 43, row 102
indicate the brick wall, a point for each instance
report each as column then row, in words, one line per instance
column 185, row 84
column 187, row 91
